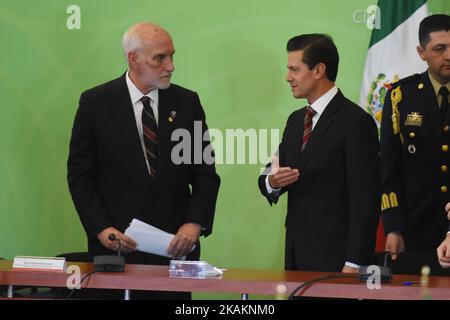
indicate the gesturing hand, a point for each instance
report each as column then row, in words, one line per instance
column 281, row 177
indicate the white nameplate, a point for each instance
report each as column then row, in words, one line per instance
column 39, row 263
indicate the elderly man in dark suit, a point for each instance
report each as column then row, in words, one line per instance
column 120, row 163
column 328, row 164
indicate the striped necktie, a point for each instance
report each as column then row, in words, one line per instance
column 150, row 130
column 307, row 126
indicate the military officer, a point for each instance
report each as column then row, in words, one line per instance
column 415, row 149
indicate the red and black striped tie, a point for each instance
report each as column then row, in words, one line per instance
column 307, row 126
column 150, row 130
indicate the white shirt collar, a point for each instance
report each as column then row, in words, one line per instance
column 136, row 94
column 320, row 104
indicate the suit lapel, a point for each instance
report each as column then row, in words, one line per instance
column 165, row 106
column 293, row 140
column 325, row 120
column 125, row 123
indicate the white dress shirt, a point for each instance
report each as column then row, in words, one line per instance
column 136, row 95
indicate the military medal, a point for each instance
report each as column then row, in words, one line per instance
column 414, row 119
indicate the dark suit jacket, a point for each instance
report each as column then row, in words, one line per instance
column 107, row 173
column 414, row 166
column 333, row 208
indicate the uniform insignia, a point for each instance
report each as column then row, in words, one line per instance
column 393, row 199
column 412, row 149
column 420, row 86
column 414, row 119
column 385, row 202
column 389, row 201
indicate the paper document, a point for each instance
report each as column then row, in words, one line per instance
column 149, row 238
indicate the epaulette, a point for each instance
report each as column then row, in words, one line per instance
column 404, row 80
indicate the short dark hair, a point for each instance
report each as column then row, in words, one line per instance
column 436, row 22
column 317, row 48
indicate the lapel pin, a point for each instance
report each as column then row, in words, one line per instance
column 420, row 86
column 172, row 116
column 411, row 149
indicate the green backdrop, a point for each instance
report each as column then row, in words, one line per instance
column 231, row 52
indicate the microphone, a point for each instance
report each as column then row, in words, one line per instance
column 385, row 271
column 112, row 237
column 109, row 263
column 389, row 254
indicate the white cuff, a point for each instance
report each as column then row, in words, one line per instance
column 269, row 188
column 352, row 265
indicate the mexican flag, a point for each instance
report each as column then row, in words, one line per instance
column 392, row 55
column 392, row 51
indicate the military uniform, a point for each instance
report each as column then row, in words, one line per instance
column 415, row 163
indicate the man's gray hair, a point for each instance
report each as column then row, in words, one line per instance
column 131, row 42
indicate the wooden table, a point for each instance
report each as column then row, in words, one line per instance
column 242, row 281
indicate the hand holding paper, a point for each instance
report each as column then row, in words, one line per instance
column 184, row 241
column 149, row 238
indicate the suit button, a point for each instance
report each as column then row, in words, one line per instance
column 412, row 134
column 444, row 168
column 446, row 128
column 445, row 148
column 444, row 189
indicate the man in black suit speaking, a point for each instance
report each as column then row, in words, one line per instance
column 120, row 164
column 328, row 164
